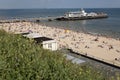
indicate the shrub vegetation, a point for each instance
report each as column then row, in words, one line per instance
column 22, row 59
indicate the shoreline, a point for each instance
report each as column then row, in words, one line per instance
column 100, row 47
column 85, row 32
column 34, row 20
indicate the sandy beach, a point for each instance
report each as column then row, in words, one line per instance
column 102, row 48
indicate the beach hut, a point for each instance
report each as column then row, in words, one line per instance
column 47, row 43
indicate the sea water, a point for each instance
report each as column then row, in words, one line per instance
column 108, row 27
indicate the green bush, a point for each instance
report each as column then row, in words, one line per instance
column 21, row 59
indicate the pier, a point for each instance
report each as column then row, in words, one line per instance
column 82, row 15
column 81, row 18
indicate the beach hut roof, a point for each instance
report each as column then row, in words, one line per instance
column 33, row 35
column 41, row 39
column 74, row 59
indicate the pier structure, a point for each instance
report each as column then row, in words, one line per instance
column 82, row 15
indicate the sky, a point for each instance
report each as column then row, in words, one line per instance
column 25, row 4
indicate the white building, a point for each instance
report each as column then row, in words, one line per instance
column 81, row 13
column 47, row 43
column 92, row 14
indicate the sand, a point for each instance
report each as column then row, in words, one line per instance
column 102, row 48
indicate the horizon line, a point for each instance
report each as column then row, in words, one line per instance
column 61, row 8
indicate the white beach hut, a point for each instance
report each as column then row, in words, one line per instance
column 47, row 43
